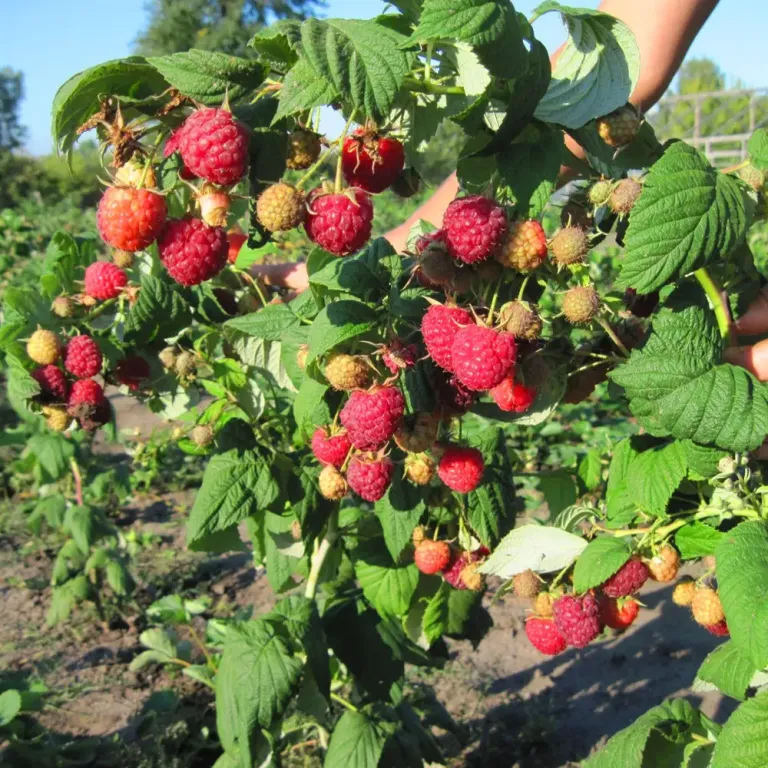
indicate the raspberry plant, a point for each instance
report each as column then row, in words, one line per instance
column 200, row 141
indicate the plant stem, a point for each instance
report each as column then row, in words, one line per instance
column 420, row 86
column 201, row 645
column 331, row 533
column 523, row 287
column 312, row 170
column 494, row 300
column 716, row 300
column 612, row 334
column 78, row 482
column 344, row 703
column 736, row 167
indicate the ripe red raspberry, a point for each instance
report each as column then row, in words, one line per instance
column 104, row 280
column 461, row 468
column 192, row 251
column 339, row 223
column 53, row 383
column 627, row 580
column 439, row 327
column 235, row 241
column 371, row 418
column 398, row 356
column 131, row 371
column 85, row 391
column 436, row 239
column 718, row 630
column 370, row 161
column 475, row 228
column 130, row 219
column 525, row 246
column 513, row 397
column 214, row 146
column 432, row 556
column 370, row 476
column 82, row 357
column 88, row 404
column 545, row 636
column 482, row 357
column 453, row 396
column 459, row 561
column 618, row 614
column 330, row 448
column 577, row 619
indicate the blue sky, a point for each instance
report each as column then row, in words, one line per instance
column 50, row 40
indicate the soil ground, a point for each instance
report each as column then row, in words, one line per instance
column 517, row 708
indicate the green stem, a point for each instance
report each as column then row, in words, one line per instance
column 318, row 558
column 523, row 286
column 716, row 300
column 78, row 482
column 312, row 170
column 344, row 703
column 612, row 335
column 494, row 300
column 419, row 86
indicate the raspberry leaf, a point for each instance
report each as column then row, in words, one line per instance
column 757, row 146
column 270, row 323
column 595, row 72
column 477, row 22
column 303, row 88
column 742, row 577
column 388, row 586
column 540, row 548
column 160, row 312
column 209, row 76
column 358, row 740
column 278, row 43
column 435, row 621
column 309, row 408
column 687, row 214
column 697, row 539
column 336, row 323
column 676, row 385
column 743, row 742
column 599, row 561
column 729, row 669
column 399, row 513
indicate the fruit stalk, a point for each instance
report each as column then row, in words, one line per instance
column 331, row 534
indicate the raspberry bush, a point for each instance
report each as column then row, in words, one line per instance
column 360, row 432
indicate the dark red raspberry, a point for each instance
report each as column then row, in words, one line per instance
column 370, row 161
column 330, row 448
column 399, row 357
column 513, row 397
column 235, row 241
column 719, row 630
column 370, row 476
column 461, row 468
column 475, row 228
column 627, row 580
column 171, row 147
column 341, row 223
column 131, row 371
column 82, row 357
column 618, row 613
column 482, row 357
column 371, row 418
column 439, row 327
column 53, row 383
column 459, row 561
column 192, row 251
column 453, row 396
column 424, row 241
column 545, row 636
column 577, row 619
column 104, row 280
column 88, row 404
column 214, row 146
column 130, row 219
column 432, row 556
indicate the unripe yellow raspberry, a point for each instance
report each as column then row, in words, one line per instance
column 332, row 483
column 56, row 417
column 419, row 468
column 526, row 584
column 665, row 565
column 280, row 207
column 684, row 592
column 620, row 127
column 706, row 607
column 346, row 372
column 44, row 347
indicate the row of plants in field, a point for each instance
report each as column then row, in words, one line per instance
column 367, row 431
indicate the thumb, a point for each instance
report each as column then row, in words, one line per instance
column 754, row 358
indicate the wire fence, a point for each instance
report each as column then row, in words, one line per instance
column 719, row 123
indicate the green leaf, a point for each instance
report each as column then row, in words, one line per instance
column 728, row 669
column 208, row 76
column 269, row 323
column 595, row 72
column 336, row 323
column 235, row 485
column 675, row 383
column 258, row 672
column 160, row 312
column 130, row 80
column 559, row 489
column 309, row 408
column 742, row 578
column 53, row 452
column 278, row 42
column 357, row 741
column 743, row 742
column 599, row 561
column 21, row 387
column 688, row 213
column 591, row 469
column 655, row 475
column 118, row 578
column 66, row 256
column 388, row 586
column 702, row 459
column 10, row 706
column 361, row 60
column 303, row 88
column 617, row 497
column 80, row 524
column 434, row 622
column 161, row 641
column 757, row 146
column 477, row 22
column 697, row 540
column 541, row 548
column 399, row 513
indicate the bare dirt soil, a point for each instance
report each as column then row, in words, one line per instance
column 517, row 708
